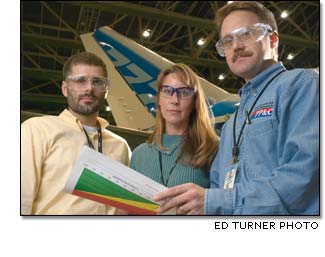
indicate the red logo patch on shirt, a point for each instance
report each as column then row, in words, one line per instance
column 262, row 112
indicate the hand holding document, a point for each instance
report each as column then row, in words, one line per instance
column 102, row 179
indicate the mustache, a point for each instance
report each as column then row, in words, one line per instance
column 88, row 95
column 240, row 54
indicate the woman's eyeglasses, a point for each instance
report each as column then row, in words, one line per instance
column 181, row 92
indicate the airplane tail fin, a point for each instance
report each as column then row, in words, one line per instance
column 133, row 71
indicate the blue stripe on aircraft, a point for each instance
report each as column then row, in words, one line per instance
column 151, row 71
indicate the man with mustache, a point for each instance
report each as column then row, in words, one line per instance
column 51, row 144
column 268, row 158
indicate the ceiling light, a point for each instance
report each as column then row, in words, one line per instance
column 229, row 2
column 108, row 109
column 290, row 56
column 146, row 33
column 221, row 77
column 201, row 41
column 284, row 14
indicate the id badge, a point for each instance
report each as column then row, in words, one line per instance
column 230, row 178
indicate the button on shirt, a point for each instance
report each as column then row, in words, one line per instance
column 278, row 168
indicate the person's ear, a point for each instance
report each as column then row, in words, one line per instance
column 274, row 40
column 64, row 88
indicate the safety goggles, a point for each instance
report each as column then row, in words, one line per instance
column 80, row 81
column 249, row 34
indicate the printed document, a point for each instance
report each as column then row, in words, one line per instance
column 99, row 178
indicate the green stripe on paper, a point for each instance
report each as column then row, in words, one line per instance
column 94, row 183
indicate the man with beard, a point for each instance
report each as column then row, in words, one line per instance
column 51, row 144
column 268, row 158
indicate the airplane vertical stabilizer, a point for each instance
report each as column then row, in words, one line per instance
column 127, row 109
column 133, row 70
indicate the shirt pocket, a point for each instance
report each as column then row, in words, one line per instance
column 261, row 148
column 260, row 128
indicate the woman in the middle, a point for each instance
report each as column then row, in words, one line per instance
column 183, row 143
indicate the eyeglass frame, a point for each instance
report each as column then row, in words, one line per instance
column 91, row 79
column 220, row 47
column 177, row 90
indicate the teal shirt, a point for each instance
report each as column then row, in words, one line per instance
column 145, row 159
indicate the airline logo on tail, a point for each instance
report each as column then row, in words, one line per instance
column 141, row 80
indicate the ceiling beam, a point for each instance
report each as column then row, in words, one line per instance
column 59, row 17
column 52, row 41
column 41, row 74
column 298, row 41
column 176, row 18
column 145, row 11
column 43, row 98
column 46, row 26
column 293, row 23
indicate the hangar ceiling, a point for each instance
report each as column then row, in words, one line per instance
column 50, row 34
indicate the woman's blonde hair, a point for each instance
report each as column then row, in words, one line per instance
column 200, row 142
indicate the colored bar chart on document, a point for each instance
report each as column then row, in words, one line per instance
column 102, row 179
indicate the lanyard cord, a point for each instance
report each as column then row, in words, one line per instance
column 179, row 155
column 171, row 170
column 90, row 144
column 235, row 149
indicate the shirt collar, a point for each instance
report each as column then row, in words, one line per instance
column 68, row 116
column 261, row 79
column 170, row 143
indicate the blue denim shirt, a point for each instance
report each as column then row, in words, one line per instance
column 278, row 167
